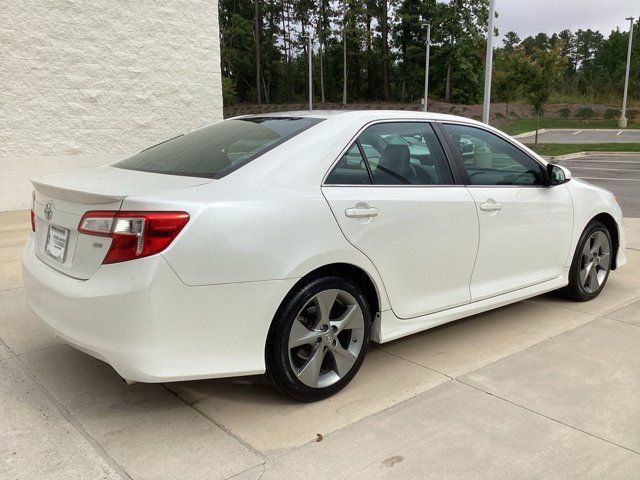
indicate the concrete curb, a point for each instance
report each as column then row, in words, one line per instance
column 575, row 155
column 529, row 134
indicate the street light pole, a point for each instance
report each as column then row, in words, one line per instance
column 488, row 64
column 622, row 123
column 426, row 69
column 310, row 52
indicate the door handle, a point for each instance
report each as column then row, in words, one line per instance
column 490, row 206
column 360, row 212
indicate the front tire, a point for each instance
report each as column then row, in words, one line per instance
column 591, row 263
column 319, row 338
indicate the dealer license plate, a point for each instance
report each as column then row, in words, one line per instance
column 56, row 245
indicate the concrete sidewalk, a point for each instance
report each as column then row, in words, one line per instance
column 544, row 388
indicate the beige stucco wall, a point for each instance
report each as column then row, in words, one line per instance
column 85, row 82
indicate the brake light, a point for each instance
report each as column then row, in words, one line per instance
column 33, row 215
column 134, row 234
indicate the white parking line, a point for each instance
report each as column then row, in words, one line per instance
column 618, row 133
column 575, row 133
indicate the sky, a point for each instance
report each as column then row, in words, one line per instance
column 529, row 17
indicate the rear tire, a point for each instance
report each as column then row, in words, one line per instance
column 318, row 339
column 591, row 263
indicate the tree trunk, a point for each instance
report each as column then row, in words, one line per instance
column 370, row 93
column 447, row 85
column 256, row 21
column 508, row 116
column 286, row 53
column 344, row 60
column 321, row 48
column 386, row 87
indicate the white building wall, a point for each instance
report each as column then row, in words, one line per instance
column 85, row 82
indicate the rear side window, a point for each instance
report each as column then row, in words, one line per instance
column 395, row 153
column 350, row 169
column 219, row 149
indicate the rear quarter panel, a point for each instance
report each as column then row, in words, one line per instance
column 248, row 235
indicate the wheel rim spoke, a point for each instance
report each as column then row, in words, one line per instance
column 325, row 301
column 592, row 281
column 309, row 374
column 584, row 273
column 344, row 359
column 352, row 316
column 301, row 335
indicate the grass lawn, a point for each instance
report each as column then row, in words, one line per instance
column 555, row 149
column 529, row 124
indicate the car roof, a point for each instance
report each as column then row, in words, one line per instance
column 364, row 115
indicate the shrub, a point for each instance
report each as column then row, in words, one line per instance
column 611, row 113
column 586, row 112
column 564, row 112
column 499, row 115
column 632, row 114
column 229, row 96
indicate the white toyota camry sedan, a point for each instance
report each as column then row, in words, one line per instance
column 284, row 243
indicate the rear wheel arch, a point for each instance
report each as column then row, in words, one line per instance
column 348, row 270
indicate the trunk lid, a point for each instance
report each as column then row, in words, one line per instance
column 62, row 199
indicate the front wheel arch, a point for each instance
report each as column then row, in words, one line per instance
column 608, row 221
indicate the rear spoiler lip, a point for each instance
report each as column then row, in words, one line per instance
column 70, row 195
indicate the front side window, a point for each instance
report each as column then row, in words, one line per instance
column 490, row 160
column 218, row 149
column 398, row 153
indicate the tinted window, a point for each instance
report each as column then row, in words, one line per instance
column 490, row 160
column 399, row 153
column 217, row 149
column 350, row 169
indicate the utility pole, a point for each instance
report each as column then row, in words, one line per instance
column 622, row 123
column 488, row 64
column 426, row 69
column 310, row 54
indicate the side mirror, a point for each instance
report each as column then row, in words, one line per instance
column 557, row 174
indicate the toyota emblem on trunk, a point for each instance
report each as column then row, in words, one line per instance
column 48, row 210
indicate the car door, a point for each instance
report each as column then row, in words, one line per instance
column 395, row 198
column 525, row 225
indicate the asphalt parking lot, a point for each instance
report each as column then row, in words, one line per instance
column 544, row 388
column 617, row 173
column 583, row 136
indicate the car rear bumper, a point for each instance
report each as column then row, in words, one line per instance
column 149, row 326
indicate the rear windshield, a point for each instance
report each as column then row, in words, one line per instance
column 219, row 149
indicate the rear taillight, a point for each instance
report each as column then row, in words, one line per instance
column 33, row 215
column 134, row 234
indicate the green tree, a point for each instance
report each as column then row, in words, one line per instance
column 510, row 40
column 508, row 68
column 541, row 74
